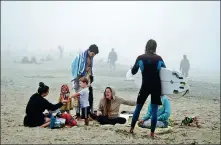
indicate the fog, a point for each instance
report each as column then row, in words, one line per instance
column 191, row 28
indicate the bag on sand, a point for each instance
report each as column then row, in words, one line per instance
column 56, row 122
column 70, row 121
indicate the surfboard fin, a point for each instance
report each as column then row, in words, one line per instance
column 174, row 73
column 182, row 83
column 187, row 91
column 175, row 91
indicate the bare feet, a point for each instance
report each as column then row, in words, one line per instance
column 86, row 122
column 90, row 119
column 152, row 135
column 131, row 130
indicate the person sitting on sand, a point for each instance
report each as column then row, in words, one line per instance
column 64, row 95
column 108, row 109
column 163, row 115
column 37, row 105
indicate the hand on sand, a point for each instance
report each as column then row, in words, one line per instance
column 99, row 113
column 140, row 122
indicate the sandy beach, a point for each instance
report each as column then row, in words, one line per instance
column 20, row 81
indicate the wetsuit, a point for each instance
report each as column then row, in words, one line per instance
column 149, row 65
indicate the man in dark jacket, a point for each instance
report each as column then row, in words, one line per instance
column 112, row 58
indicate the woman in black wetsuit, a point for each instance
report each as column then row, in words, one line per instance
column 37, row 105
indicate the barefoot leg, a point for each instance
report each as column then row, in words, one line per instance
column 47, row 122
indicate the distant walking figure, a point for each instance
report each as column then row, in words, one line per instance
column 112, row 58
column 185, row 66
column 61, row 49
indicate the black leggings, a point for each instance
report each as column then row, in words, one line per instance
column 91, row 99
column 105, row 120
column 145, row 91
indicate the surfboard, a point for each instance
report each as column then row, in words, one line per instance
column 172, row 82
column 127, row 115
column 167, row 75
column 129, row 76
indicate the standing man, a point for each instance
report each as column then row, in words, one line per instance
column 61, row 49
column 112, row 58
column 82, row 67
column 150, row 64
column 185, row 66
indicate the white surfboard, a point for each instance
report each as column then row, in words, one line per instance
column 172, row 82
column 129, row 76
column 167, row 74
column 127, row 115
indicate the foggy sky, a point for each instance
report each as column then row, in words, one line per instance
column 191, row 28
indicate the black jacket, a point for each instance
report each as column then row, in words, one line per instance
column 35, row 108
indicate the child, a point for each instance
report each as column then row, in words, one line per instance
column 83, row 96
column 64, row 95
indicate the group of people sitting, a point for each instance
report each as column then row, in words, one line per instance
column 106, row 113
column 108, row 109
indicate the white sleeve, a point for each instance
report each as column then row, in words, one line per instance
column 82, row 92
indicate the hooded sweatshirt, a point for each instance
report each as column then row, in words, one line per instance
column 163, row 112
column 115, row 105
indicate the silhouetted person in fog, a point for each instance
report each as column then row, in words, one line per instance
column 185, row 66
column 61, row 49
column 25, row 60
column 33, row 60
column 112, row 58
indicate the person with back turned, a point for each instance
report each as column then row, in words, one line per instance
column 150, row 64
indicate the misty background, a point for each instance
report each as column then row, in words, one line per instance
column 180, row 27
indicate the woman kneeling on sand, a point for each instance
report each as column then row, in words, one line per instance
column 37, row 105
column 108, row 109
column 163, row 115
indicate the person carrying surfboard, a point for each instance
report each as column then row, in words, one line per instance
column 150, row 64
column 82, row 66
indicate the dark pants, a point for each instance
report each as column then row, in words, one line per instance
column 145, row 91
column 91, row 99
column 105, row 120
column 78, row 110
column 85, row 112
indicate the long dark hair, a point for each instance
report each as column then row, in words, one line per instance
column 107, row 102
column 151, row 46
column 42, row 88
